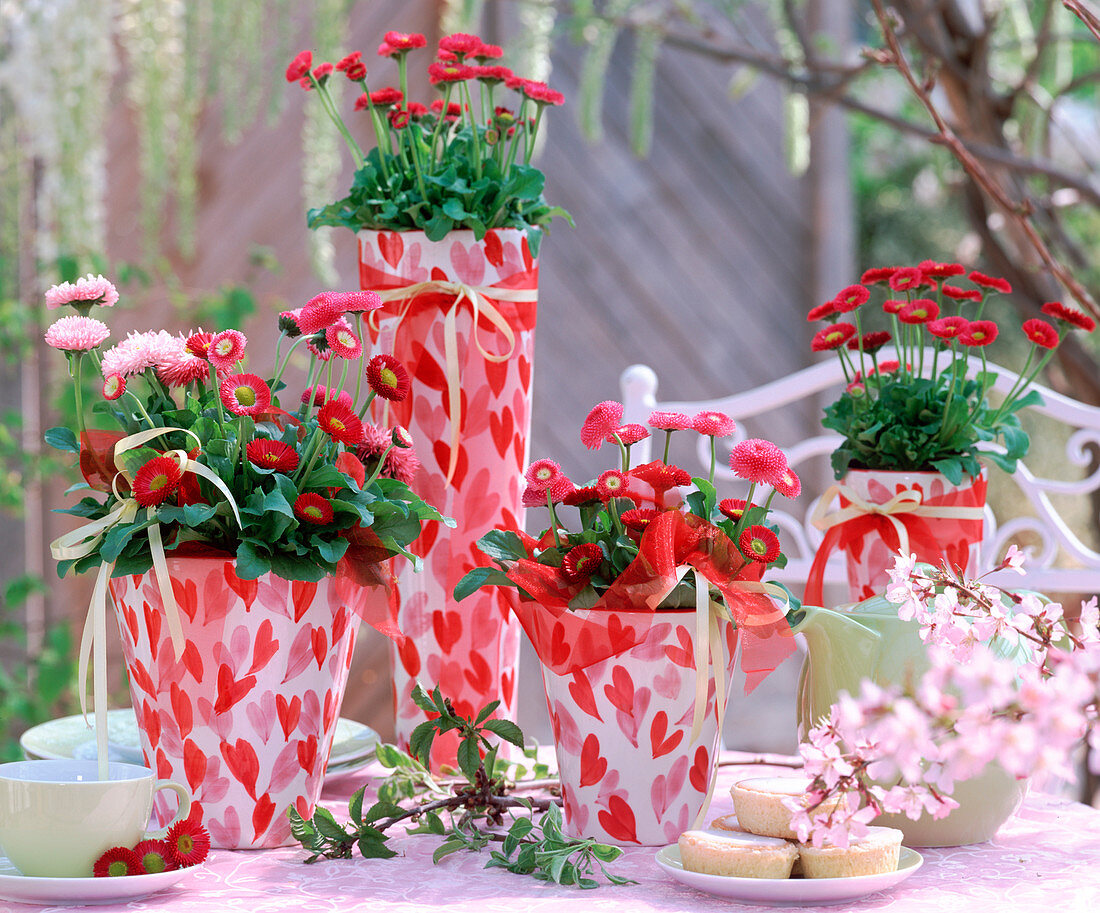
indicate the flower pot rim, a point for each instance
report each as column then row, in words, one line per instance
column 909, row 472
column 420, row 231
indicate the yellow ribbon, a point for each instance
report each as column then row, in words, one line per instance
column 86, row 539
column 480, row 300
column 908, row 501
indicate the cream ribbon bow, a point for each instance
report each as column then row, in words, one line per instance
column 86, row 539
column 479, row 298
column 908, row 501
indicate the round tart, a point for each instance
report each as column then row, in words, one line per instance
column 873, row 854
column 758, row 803
column 736, row 854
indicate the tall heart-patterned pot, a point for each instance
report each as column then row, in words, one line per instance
column 460, row 315
column 630, row 773
column 879, row 511
column 245, row 714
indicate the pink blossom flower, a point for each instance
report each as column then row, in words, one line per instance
column 76, row 334
column 86, row 291
column 670, row 421
column 180, row 368
column 139, row 351
column 601, row 421
column 226, row 349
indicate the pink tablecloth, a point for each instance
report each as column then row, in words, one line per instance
column 1045, row 859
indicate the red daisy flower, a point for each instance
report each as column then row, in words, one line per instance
column 906, row 278
column 358, row 302
column 758, row 461
column 889, row 367
column 488, row 52
column 356, row 72
column 198, row 344
column 310, row 507
column 339, row 421
column 947, row 327
column 832, row 337
column 449, row 72
column 611, row 484
column 851, row 298
column 116, row 862
column 758, row 543
column 226, row 349
column 416, row 112
column 581, row 562
column 386, row 97
column 919, row 310
column 542, row 473
column 661, row 476
column 978, row 333
column 461, row 44
column 156, row 481
column 539, row 92
column 114, row 385
column 604, row 418
column 405, row 41
column 892, row 305
column 870, row 342
column 322, row 72
column 272, row 455
column 1059, row 311
column 187, row 842
column 153, row 856
column 789, row 485
column 638, row 518
column 586, row 494
column 388, row 378
column 856, row 388
column 714, row 424
column 319, row 313
column 670, row 421
column 492, row 75
column 822, row 311
column 877, row 274
column 245, row 394
column 993, row 282
column 941, row 270
column 349, row 60
column 961, row 294
column 628, row 434
column 733, row 508
column 319, row 394
column 299, row 66
column 1041, row 333
column 343, row 342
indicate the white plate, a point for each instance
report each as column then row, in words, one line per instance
column 786, row 892
column 29, row 889
column 69, row 737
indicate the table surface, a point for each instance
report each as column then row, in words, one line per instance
column 1047, row 856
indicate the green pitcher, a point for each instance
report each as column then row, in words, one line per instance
column 868, row 641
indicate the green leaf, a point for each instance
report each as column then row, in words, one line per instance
column 373, row 846
column 446, row 849
column 503, row 545
column 469, row 758
column 61, row 438
column 479, row 577
column 251, row 563
column 483, row 715
column 507, row 730
column 326, row 824
column 420, row 742
column 355, row 805
column 422, row 700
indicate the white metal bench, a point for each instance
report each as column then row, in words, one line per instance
column 1059, row 561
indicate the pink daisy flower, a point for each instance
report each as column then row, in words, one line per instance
column 714, row 424
column 542, row 473
column 628, row 434
column 245, row 394
column 603, row 419
column 789, row 485
column 139, row 351
column 182, row 368
column 84, row 292
column 76, row 334
column 358, row 302
column 460, row 43
column 670, row 421
column 114, row 386
column 758, row 461
column 611, row 484
column 226, row 349
column 318, row 395
column 402, row 464
column 320, row 311
column 343, row 341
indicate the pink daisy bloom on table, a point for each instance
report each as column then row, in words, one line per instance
column 1041, row 333
column 758, row 543
column 156, row 481
column 947, row 327
column 82, row 293
column 542, row 473
column 994, row 282
column 851, row 298
column 318, row 395
column 869, row 342
column 76, row 334
column 758, row 461
column 114, row 386
column 226, row 349
column 340, row 422
column 906, row 278
column 603, row 419
column 789, row 484
column 139, row 351
column 312, row 508
column 638, row 518
column 611, row 484
column 822, row 311
column 734, row 508
column 581, row 562
column 1069, row 315
column 877, row 274
column 961, row 294
column 978, row 333
column 402, row 463
column 245, row 394
column 343, row 341
column 919, row 310
column 320, row 312
column 628, row 434
column 182, row 368
column 272, row 455
column 117, row 861
column 670, row 421
column 832, row 337
column 388, row 378
column 714, row 424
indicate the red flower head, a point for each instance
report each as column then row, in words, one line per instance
column 153, row 856
column 156, row 481
column 388, row 378
column 322, row 72
column 383, row 98
column 399, row 119
column 832, row 337
column 714, row 424
column 877, row 274
column 670, row 421
column 343, row 341
column 454, row 109
column 362, row 102
column 851, row 298
column 1069, row 315
column 319, row 313
column 947, row 327
column 660, row 476
column 581, row 562
column 340, row 422
column 638, row 518
column 117, row 861
column 628, row 434
column 245, row 394
column 889, row 367
column 401, row 438
column 993, row 282
column 906, row 278
column 401, row 43
column 941, row 270
column 822, row 311
column 758, row 461
column 449, row 72
column 310, row 507
column 446, row 57
column 198, row 344
column 493, row 75
column 272, row 455
column 299, row 66
column 416, row 112
column 758, row 543
column 488, row 52
column 601, row 421
column 611, row 484
column 317, row 395
column 870, row 342
column 536, row 494
column 1041, row 333
column 579, row 497
column 114, row 385
column 961, row 294
column 978, row 333
column 542, row 473
column 356, row 72
column 733, row 508
column 539, row 92
column 919, row 310
column 461, row 44
column 226, row 349
column 790, row 485
column 350, row 60
column 187, row 842
column 892, row 305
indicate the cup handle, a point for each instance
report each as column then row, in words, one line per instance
column 182, row 812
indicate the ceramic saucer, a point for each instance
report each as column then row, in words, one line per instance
column 36, row 890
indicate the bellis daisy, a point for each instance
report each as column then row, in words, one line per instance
column 638, row 518
column 601, row 421
column 226, row 349
column 388, row 378
column 318, row 394
column 611, row 484
column 832, row 337
column 628, row 434
column 851, row 298
column 734, row 508
column 156, row 481
column 978, row 333
column 542, row 473
column 919, row 310
column 758, row 543
column 947, row 327
column 789, row 484
column 153, row 856
column 670, row 421
column 340, row 423
column 758, row 461
column 90, row 290
column 714, row 424
column 581, row 562
column 1041, row 333
column 76, row 334
column 117, row 862
column 1069, row 315
column 114, row 385
column 187, row 843
column 343, row 342
column 991, row 282
column 310, row 507
column 245, row 394
column 274, row 455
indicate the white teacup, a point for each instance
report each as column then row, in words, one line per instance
column 57, row 817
